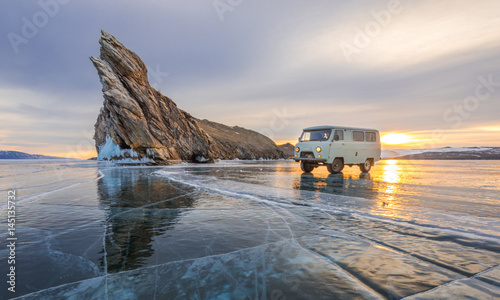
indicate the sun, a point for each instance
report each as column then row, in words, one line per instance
column 395, row 138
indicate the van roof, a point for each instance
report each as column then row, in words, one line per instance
column 325, row 127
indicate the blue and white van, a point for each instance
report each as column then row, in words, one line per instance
column 337, row 146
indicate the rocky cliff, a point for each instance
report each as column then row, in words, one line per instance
column 139, row 124
column 241, row 143
column 288, row 150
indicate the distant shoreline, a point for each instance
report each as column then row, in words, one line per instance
column 492, row 153
column 483, row 153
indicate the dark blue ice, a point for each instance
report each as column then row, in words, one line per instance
column 254, row 230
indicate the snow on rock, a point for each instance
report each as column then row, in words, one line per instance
column 111, row 151
column 201, row 159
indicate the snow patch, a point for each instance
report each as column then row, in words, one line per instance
column 150, row 153
column 201, row 159
column 111, row 151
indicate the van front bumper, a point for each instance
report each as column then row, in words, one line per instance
column 311, row 155
column 297, row 159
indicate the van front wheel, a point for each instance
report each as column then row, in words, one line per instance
column 365, row 168
column 336, row 166
column 306, row 167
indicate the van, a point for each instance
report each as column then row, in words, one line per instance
column 336, row 147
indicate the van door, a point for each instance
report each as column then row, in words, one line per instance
column 354, row 147
column 337, row 146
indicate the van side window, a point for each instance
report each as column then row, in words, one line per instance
column 340, row 134
column 371, row 137
column 358, row 136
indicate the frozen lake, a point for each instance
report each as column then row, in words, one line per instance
column 253, row 230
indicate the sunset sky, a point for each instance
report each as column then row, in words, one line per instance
column 425, row 73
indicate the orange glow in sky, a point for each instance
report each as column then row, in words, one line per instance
column 395, row 138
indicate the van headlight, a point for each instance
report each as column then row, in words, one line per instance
column 318, row 149
column 297, row 149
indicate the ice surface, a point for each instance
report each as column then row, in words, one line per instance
column 258, row 230
column 460, row 289
column 491, row 276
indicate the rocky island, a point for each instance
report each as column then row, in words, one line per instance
column 140, row 125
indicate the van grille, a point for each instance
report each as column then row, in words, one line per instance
column 306, row 155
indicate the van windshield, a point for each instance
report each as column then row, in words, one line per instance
column 316, row 135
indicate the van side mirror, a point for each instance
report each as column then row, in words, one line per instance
column 336, row 137
column 298, row 139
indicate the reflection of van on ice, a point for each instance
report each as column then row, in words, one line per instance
column 335, row 146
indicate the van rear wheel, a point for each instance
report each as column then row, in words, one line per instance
column 306, row 167
column 365, row 168
column 336, row 166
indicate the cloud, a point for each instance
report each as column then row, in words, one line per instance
column 261, row 58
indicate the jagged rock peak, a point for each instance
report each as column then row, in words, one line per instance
column 139, row 124
column 129, row 65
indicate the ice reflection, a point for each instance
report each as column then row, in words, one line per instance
column 392, row 171
column 140, row 208
column 360, row 185
column 392, row 176
column 384, row 184
column 260, row 230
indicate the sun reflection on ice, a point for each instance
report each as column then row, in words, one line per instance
column 391, row 175
column 392, row 172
